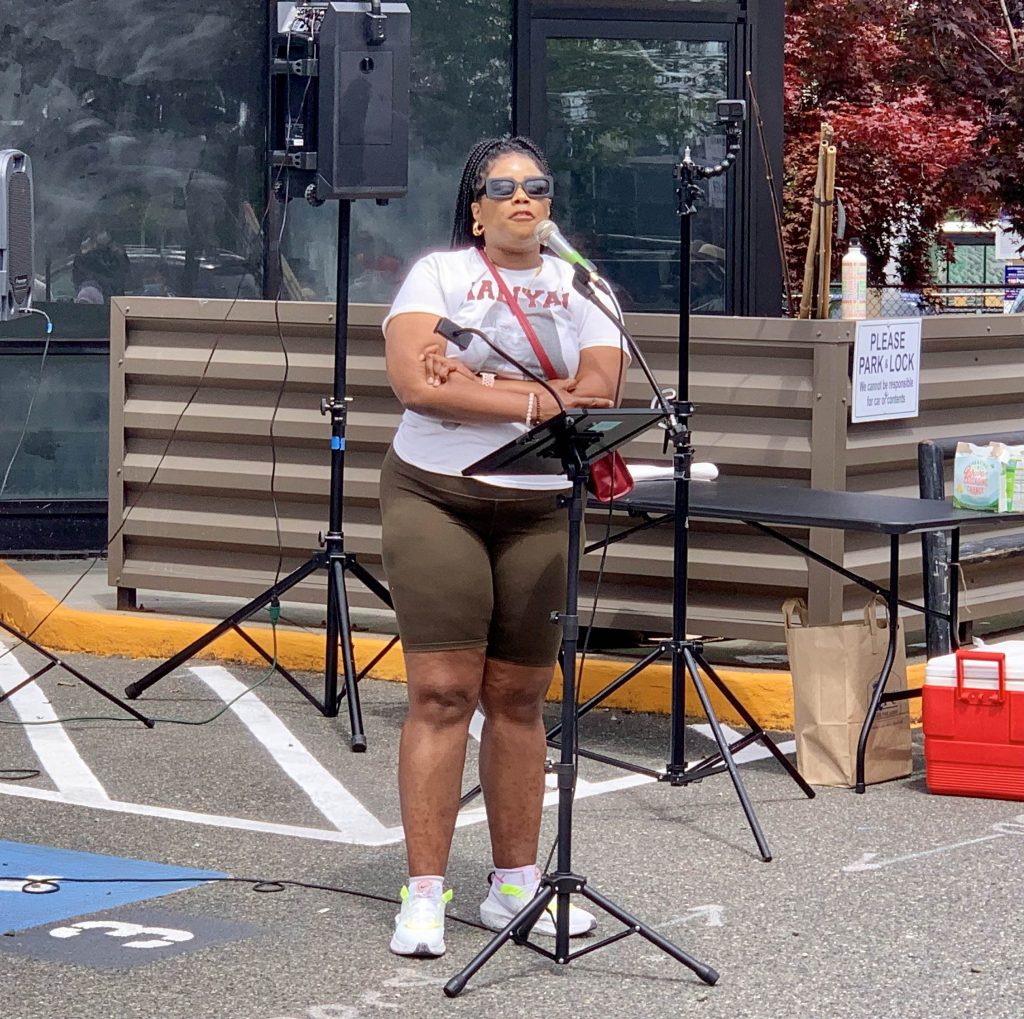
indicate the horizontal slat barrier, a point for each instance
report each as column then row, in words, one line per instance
column 213, row 372
column 972, row 381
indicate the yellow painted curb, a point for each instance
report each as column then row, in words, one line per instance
column 768, row 696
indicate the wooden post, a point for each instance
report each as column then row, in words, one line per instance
column 827, row 220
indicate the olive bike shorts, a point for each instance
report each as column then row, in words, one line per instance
column 473, row 565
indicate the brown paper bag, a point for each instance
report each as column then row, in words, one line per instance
column 834, row 668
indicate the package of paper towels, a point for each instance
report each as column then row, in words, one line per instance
column 989, row 477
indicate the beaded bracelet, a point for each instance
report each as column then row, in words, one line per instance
column 531, row 410
column 487, row 379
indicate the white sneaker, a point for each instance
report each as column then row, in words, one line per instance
column 504, row 901
column 419, row 926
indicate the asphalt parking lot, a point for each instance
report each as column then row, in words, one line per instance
column 896, row 903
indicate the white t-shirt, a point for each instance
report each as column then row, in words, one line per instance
column 458, row 285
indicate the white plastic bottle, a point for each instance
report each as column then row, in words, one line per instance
column 855, row 282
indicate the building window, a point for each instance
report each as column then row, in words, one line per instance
column 145, row 132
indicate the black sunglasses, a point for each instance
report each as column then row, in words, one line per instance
column 501, row 188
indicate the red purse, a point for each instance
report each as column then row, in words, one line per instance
column 609, row 477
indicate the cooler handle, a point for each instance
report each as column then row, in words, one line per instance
column 966, row 654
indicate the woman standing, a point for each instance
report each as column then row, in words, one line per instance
column 477, row 566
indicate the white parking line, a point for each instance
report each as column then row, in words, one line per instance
column 390, row 836
column 57, row 754
column 353, row 823
column 327, row 794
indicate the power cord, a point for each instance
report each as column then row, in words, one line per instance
column 32, row 400
column 47, row 886
column 277, row 300
column 146, row 487
column 282, row 387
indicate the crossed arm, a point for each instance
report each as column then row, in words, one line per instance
column 426, row 381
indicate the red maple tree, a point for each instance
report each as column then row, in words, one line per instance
column 972, row 56
column 919, row 135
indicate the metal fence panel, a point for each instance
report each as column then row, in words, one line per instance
column 193, row 391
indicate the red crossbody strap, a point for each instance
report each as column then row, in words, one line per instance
column 513, row 304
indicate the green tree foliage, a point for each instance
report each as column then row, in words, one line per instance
column 926, row 100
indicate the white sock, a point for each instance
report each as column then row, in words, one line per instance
column 428, row 886
column 527, row 877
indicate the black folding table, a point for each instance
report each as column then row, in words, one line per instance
column 767, row 506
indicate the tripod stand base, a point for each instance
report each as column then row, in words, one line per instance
column 52, row 661
column 687, row 660
column 561, row 887
column 337, row 563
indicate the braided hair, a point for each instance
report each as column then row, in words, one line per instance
column 479, row 161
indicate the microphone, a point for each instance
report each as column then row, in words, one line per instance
column 462, row 337
column 550, row 236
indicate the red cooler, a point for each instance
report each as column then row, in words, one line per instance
column 974, row 722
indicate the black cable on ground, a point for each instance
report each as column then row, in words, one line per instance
column 47, row 886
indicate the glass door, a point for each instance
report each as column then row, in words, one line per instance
column 613, row 104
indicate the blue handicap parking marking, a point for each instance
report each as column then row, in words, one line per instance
column 20, row 910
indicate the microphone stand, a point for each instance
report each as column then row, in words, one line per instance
column 458, row 335
column 686, row 654
column 574, row 447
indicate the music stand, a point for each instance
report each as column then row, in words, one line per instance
column 568, row 443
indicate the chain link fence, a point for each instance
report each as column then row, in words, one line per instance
column 943, row 299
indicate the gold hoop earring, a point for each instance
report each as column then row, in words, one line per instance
column 478, row 228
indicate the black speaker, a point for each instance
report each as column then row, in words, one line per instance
column 16, row 258
column 340, row 100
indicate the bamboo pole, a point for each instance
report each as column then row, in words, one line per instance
column 827, row 220
column 807, row 293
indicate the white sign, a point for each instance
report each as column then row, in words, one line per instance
column 1013, row 282
column 886, row 369
column 1009, row 245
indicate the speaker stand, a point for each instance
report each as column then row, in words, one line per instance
column 334, row 559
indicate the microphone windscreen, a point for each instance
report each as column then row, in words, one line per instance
column 451, row 331
column 543, row 230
